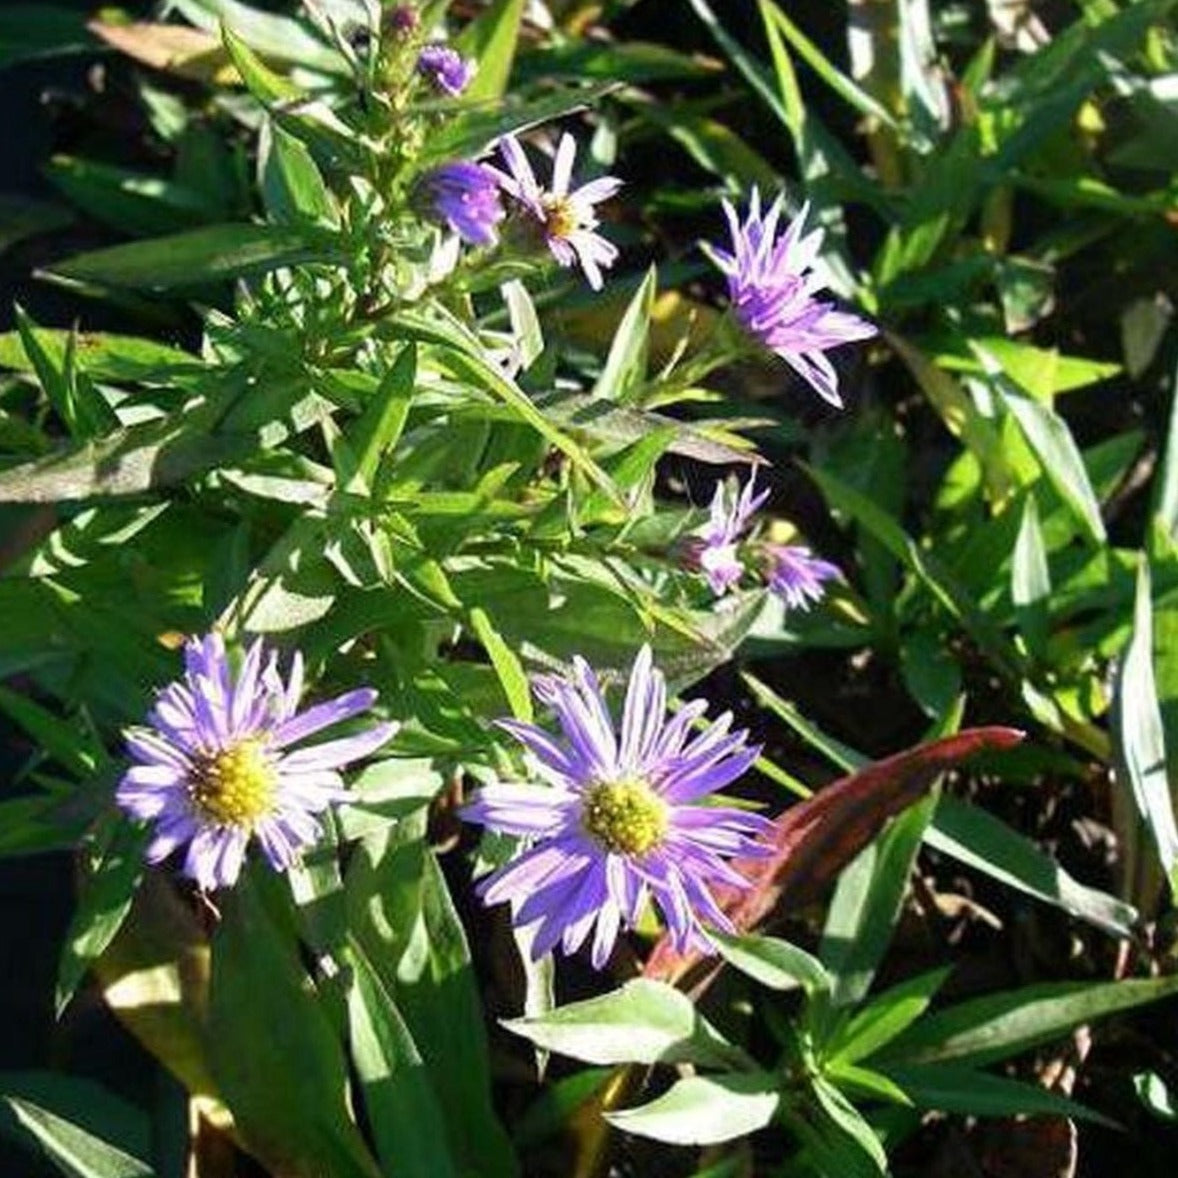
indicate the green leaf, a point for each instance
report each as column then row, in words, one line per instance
column 1048, row 435
column 980, row 1094
column 292, row 185
column 261, row 81
column 643, row 1022
column 1030, row 579
column 1140, row 735
column 465, row 356
column 705, row 1110
column 843, row 86
column 625, row 367
column 401, row 914
column 375, row 433
column 773, row 962
column 884, row 1017
column 1152, row 1092
column 135, row 203
column 978, row 839
column 867, row 903
column 267, row 33
column 407, row 1124
column 471, row 133
column 107, row 891
column 79, row 1127
column 837, row 1139
column 127, row 462
column 1166, row 502
column 491, row 40
column 284, row 1078
column 997, row 1026
column 213, row 253
column 79, row 405
column 506, row 662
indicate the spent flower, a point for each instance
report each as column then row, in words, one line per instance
column 445, row 69
column 771, row 285
column 617, row 820
column 567, row 219
column 465, row 197
column 215, row 766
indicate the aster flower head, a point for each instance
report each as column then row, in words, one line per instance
column 445, row 69
column 796, row 575
column 215, row 767
column 567, row 219
column 772, row 285
column 464, row 196
column 616, row 821
column 714, row 548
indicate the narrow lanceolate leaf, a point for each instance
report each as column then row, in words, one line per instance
column 284, row 1078
column 772, row 962
column 1048, row 435
column 128, row 461
column 643, row 1022
column 815, row 839
column 1140, row 735
column 867, row 903
column 79, row 1127
column 1030, row 579
column 491, row 40
column 998, row 1026
column 214, row 253
column 705, row 1110
column 625, row 366
column 407, row 1125
column 105, row 900
column 977, row 838
column 979, row 1094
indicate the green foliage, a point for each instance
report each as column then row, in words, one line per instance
column 437, row 470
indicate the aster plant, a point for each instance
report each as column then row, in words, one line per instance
column 215, row 767
column 772, row 285
column 617, row 820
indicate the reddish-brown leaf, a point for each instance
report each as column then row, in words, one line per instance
column 817, row 838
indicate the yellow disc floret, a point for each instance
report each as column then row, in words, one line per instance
column 560, row 218
column 626, row 817
column 236, row 786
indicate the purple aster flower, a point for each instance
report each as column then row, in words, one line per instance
column 796, row 574
column 617, row 820
column 713, row 549
column 215, row 767
column 772, row 286
column 465, row 197
column 445, row 69
column 567, row 219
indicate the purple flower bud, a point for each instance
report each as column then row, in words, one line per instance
column 445, row 69
column 465, row 197
column 402, row 19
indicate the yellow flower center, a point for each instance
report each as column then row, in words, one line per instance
column 560, row 218
column 236, row 786
column 626, row 817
